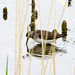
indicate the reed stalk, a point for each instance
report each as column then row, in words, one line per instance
column 16, row 41
column 22, row 16
column 50, row 67
column 42, row 69
column 29, row 71
column 53, row 51
column 48, row 28
column 21, row 28
column 47, row 31
column 74, row 70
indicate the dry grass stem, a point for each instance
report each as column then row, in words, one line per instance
column 62, row 1
column 41, row 39
column 50, row 67
column 62, row 15
column 47, row 31
column 16, row 41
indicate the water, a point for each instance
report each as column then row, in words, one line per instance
column 64, row 57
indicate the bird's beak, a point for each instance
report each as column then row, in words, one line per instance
column 27, row 41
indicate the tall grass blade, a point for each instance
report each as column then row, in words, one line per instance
column 7, row 66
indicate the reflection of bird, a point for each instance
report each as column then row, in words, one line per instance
column 37, row 50
column 36, row 35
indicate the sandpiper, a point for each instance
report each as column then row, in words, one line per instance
column 36, row 35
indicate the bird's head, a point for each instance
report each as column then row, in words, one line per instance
column 30, row 34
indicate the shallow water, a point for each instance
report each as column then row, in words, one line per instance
column 65, row 55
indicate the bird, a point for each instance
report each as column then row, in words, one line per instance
column 38, row 37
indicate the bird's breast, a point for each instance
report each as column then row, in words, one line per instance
column 44, row 41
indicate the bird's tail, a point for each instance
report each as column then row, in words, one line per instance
column 64, row 34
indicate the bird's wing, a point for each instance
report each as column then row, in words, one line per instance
column 50, row 36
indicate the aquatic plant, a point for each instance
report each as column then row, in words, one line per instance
column 7, row 66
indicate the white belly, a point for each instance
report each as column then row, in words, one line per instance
column 44, row 41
